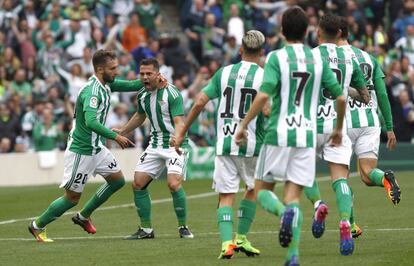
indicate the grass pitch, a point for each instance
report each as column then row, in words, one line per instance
column 388, row 231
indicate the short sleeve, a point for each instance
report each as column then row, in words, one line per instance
column 176, row 103
column 212, row 90
column 358, row 79
column 271, row 76
column 329, row 81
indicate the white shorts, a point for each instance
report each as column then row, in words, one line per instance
column 154, row 160
column 339, row 155
column 229, row 170
column 296, row 165
column 365, row 141
column 79, row 167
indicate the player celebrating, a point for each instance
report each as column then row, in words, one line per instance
column 164, row 108
column 86, row 153
column 363, row 124
column 293, row 77
column 236, row 86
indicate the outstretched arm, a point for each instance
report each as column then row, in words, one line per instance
column 135, row 121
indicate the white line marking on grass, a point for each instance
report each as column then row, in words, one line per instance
column 197, row 196
column 404, row 229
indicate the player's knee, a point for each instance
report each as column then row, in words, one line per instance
column 174, row 185
column 137, row 185
column 74, row 198
column 365, row 178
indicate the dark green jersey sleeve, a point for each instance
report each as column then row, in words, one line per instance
column 271, row 76
column 383, row 102
column 90, row 108
column 329, row 81
column 357, row 79
column 176, row 104
column 377, row 71
column 126, row 85
column 212, row 90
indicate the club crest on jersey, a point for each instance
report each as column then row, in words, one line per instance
column 93, row 102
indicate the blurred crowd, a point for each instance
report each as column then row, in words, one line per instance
column 46, row 49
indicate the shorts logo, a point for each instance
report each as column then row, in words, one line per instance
column 112, row 165
column 93, row 102
column 174, row 162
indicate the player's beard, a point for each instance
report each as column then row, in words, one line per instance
column 107, row 78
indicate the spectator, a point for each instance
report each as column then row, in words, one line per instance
column 235, row 25
column 406, row 44
column 212, row 39
column 29, row 13
column 394, row 79
column 33, row 116
column 193, row 23
column 231, row 51
column 85, row 62
column 9, row 128
column 10, row 62
column 176, row 56
column 20, row 85
column 23, row 35
column 404, row 126
column 144, row 51
column 149, row 16
column 58, row 103
column 134, row 34
column 116, row 119
column 73, row 81
column 46, row 133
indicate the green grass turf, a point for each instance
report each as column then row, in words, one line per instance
column 379, row 244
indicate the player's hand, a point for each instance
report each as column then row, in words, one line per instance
column 162, row 82
column 241, row 137
column 123, row 141
column 335, row 139
column 176, row 142
column 117, row 130
column 392, row 140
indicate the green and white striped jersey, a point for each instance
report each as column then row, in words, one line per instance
column 236, row 86
column 360, row 114
column 95, row 97
column 348, row 74
column 293, row 77
column 161, row 106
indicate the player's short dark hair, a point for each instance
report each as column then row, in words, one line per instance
column 330, row 25
column 101, row 56
column 343, row 26
column 294, row 24
column 150, row 61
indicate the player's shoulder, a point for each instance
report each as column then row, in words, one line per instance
column 91, row 87
column 173, row 91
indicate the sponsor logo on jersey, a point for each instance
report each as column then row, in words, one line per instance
column 354, row 104
column 326, row 112
column 229, row 129
column 93, row 102
column 298, row 121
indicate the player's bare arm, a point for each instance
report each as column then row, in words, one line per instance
column 359, row 95
column 257, row 106
column 135, row 121
column 177, row 139
column 336, row 137
column 200, row 103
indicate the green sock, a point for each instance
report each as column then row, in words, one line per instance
column 225, row 223
column 352, row 218
column 376, row 176
column 246, row 213
column 312, row 193
column 180, row 206
column 55, row 210
column 143, row 204
column 296, row 229
column 343, row 198
column 270, row 202
column 101, row 195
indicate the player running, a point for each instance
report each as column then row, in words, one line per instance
column 293, row 77
column 338, row 158
column 86, row 154
column 364, row 127
column 236, row 87
column 164, row 108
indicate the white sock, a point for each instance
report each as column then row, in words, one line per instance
column 316, row 204
column 147, row 230
column 82, row 218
